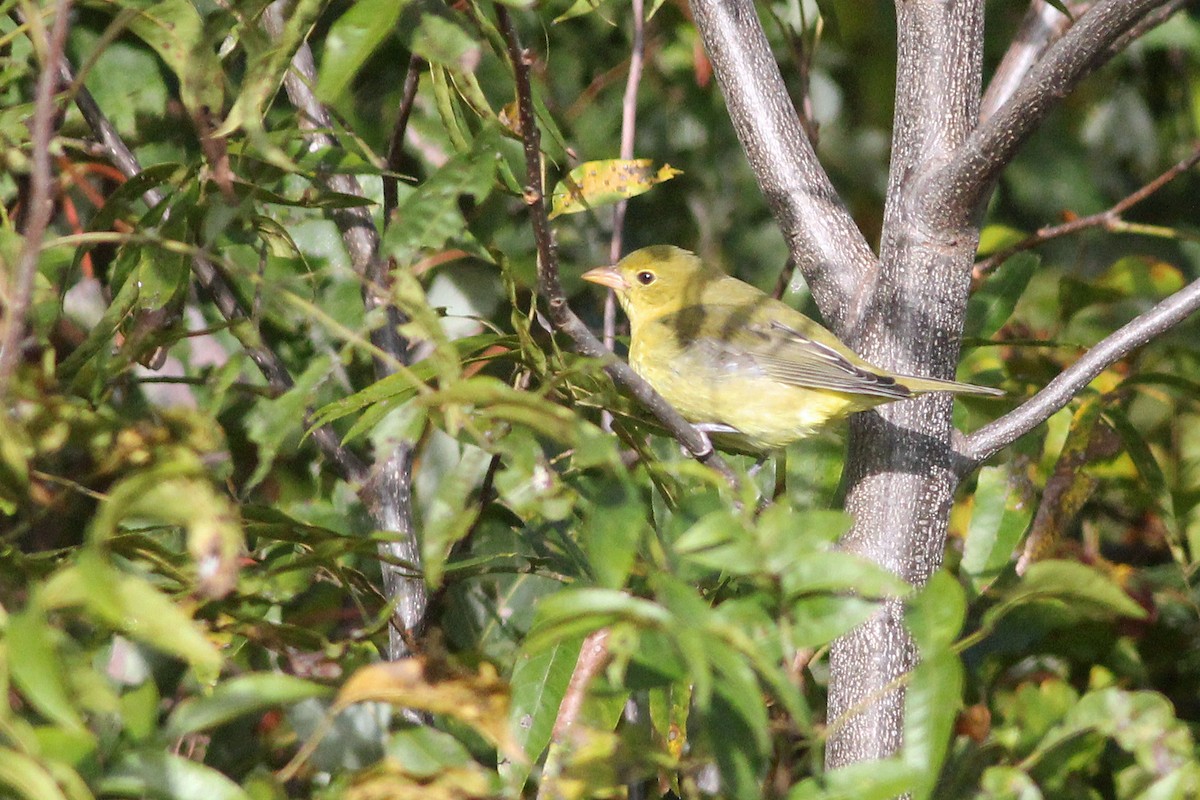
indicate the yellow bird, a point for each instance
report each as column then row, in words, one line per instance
column 739, row 363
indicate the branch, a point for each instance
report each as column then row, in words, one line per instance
column 408, row 96
column 628, row 130
column 355, row 224
column 549, row 286
column 40, row 207
column 953, row 193
column 388, row 491
column 1042, row 26
column 990, row 439
column 824, row 241
column 593, row 656
column 1108, row 219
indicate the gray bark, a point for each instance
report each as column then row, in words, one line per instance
column 904, row 310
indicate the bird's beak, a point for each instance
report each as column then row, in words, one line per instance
column 607, row 276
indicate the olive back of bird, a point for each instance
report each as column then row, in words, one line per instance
column 726, row 354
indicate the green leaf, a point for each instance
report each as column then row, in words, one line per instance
column 1087, row 590
column 271, row 423
column 572, row 612
column 427, row 752
column 1150, row 471
column 931, row 703
column 131, row 605
column 177, row 33
column 27, row 778
column 867, row 780
column 238, row 697
column 1000, row 514
column 1008, row 783
column 401, row 387
column 441, row 41
column 153, row 773
column 538, row 683
column 267, row 61
column 351, row 40
column 612, row 527
column 429, row 216
column 718, row 540
column 452, row 511
column 994, row 238
column 820, row 619
column 836, row 571
column 37, row 666
column 935, row 615
column 991, row 306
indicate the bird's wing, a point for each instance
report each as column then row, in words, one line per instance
column 780, row 352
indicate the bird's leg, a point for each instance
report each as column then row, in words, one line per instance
column 714, row 427
column 757, row 466
column 780, row 475
column 705, row 428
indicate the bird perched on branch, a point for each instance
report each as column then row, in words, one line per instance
column 739, row 363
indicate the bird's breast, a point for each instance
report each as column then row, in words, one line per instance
column 709, row 383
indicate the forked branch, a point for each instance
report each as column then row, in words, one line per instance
column 824, row 240
column 954, row 192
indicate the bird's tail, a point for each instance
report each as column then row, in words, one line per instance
column 923, row 385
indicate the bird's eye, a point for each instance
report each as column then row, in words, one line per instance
column 645, row 277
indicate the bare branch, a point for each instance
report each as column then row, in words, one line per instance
column 1108, row 218
column 408, row 96
column 990, row 439
column 388, row 491
column 1042, row 26
column 549, row 286
column 1148, row 23
column 955, row 192
column 628, row 129
column 822, row 236
column 40, row 206
column 593, row 656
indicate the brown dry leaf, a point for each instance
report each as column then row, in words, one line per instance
column 392, row 782
column 480, row 699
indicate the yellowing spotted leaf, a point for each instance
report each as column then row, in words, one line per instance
column 600, row 183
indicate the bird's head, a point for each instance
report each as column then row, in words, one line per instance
column 655, row 280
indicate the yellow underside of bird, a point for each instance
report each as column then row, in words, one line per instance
column 729, row 357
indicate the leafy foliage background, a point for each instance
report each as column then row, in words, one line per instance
column 191, row 602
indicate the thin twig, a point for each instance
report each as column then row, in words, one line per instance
column 628, row 132
column 408, row 96
column 785, row 279
column 550, row 288
column 990, row 439
column 40, row 208
column 1108, row 218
